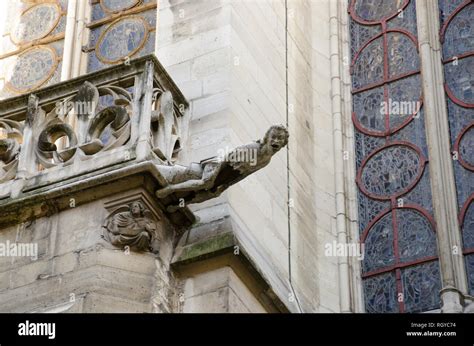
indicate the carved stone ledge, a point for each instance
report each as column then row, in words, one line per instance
column 104, row 183
column 125, row 113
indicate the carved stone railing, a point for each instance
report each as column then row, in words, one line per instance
column 125, row 114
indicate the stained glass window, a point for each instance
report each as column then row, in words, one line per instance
column 120, row 30
column 400, row 269
column 32, row 47
column 457, row 38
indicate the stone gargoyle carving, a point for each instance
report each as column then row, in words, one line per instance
column 134, row 226
column 209, row 178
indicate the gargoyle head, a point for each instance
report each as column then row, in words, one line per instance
column 276, row 138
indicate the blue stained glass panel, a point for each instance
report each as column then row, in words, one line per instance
column 421, row 286
column 131, row 36
column 391, row 171
column 122, row 39
column 378, row 245
column 404, row 100
column 361, row 35
column 405, row 20
column 469, row 259
column 381, row 293
column 468, row 228
column 369, row 209
column 466, row 146
column 416, row 237
column 447, row 7
column 368, row 68
column 459, row 117
column 118, row 5
column 32, row 68
column 402, row 54
column 391, row 110
column 459, row 35
column 36, row 22
column 365, row 145
column 420, row 194
column 368, row 108
column 375, row 10
column 414, row 132
column 460, row 79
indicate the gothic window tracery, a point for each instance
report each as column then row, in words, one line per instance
column 400, row 270
column 120, row 30
column 31, row 50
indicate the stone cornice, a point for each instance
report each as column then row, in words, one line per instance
column 55, row 197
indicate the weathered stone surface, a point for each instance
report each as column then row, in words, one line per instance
column 211, row 177
column 244, row 90
column 132, row 227
column 218, row 290
column 103, row 241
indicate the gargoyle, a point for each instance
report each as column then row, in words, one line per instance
column 208, row 179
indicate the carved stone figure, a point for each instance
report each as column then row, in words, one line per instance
column 165, row 127
column 9, row 149
column 209, row 178
column 10, row 139
column 133, row 227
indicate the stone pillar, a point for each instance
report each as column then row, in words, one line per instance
column 441, row 170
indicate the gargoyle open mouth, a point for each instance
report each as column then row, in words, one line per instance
column 275, row 146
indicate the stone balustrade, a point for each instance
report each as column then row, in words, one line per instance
column 72, row 133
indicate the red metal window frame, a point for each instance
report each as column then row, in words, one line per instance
column 398, row 265
column 386, row 76
column 458, row 57
column 423, row 161
column 463, row 163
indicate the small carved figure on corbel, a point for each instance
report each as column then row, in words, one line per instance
column 208, row 179
column 134, row 226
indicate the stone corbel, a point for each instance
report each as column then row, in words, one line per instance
column 133, row 226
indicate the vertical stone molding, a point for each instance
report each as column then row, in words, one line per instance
column 441, row 169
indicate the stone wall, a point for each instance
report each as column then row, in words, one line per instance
column 243, row 66
column 76, row 270
column 218, row 290
column 229, row 58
